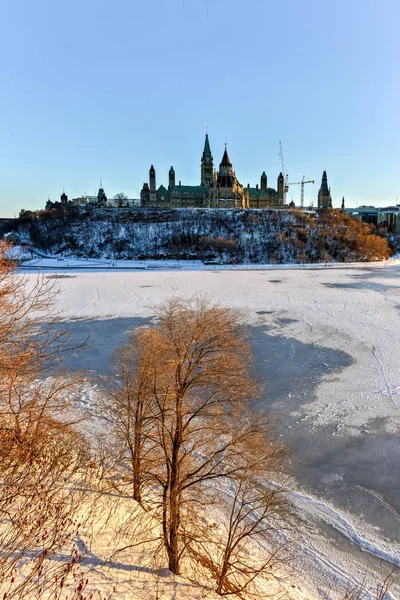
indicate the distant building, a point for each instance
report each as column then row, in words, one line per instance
column 390, row 217
column 264, row 196
column 84, row 201
column 380, row 217
column 217, row 189
column 127, row 203
column 368, row 214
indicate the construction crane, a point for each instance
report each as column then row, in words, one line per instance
column 285, row 175
column 302, row 182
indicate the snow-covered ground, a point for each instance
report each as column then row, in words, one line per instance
column 60, row 264
column 327, row 348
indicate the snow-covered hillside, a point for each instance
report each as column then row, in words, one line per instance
column 226, row 236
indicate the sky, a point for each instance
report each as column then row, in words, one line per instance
column 94, row 89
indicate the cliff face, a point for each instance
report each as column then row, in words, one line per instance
column 236, row 236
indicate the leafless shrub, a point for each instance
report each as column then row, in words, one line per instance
column 43, row 460
column 381, row 591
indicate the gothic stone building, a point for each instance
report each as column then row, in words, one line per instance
column 217, row 189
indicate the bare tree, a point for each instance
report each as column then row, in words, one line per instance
column 128, row 404
column 202, row 375
column 40, row 503
column 256, row 512
column 121, row 199
column 179, row 410
column 43, row 460
column 26, row 346
column 253, row 513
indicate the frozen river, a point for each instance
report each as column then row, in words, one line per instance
column 327, row 348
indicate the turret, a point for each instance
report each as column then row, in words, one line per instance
column 152, row 179
column 280, row 186
column 64, row 198
column 145, row 195
column 101, row 196
column 171, row 179
column 263, row 181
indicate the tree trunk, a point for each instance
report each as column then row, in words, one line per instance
column 222, row 576
column 137, row 479
column 174, row 495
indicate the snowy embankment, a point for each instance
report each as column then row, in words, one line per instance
column 327, row 347
column 59, row 264
column 227, row 236
column 121, row 561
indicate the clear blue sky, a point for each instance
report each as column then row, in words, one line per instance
column 94, row 88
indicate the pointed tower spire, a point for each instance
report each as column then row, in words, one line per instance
column 207, row 149
column 207, row 164
column 324, row 193
column 225, row 162
column 324, row 183
column 342, row 208
column 226, row 176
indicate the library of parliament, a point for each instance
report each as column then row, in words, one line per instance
column 217, row 189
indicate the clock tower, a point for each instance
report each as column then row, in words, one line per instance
column 207, row 165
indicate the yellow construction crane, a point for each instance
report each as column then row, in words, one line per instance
column 302, row 182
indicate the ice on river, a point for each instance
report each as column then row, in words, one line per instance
column 327, row 348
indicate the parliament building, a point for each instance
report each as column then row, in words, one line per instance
column 217, row 189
